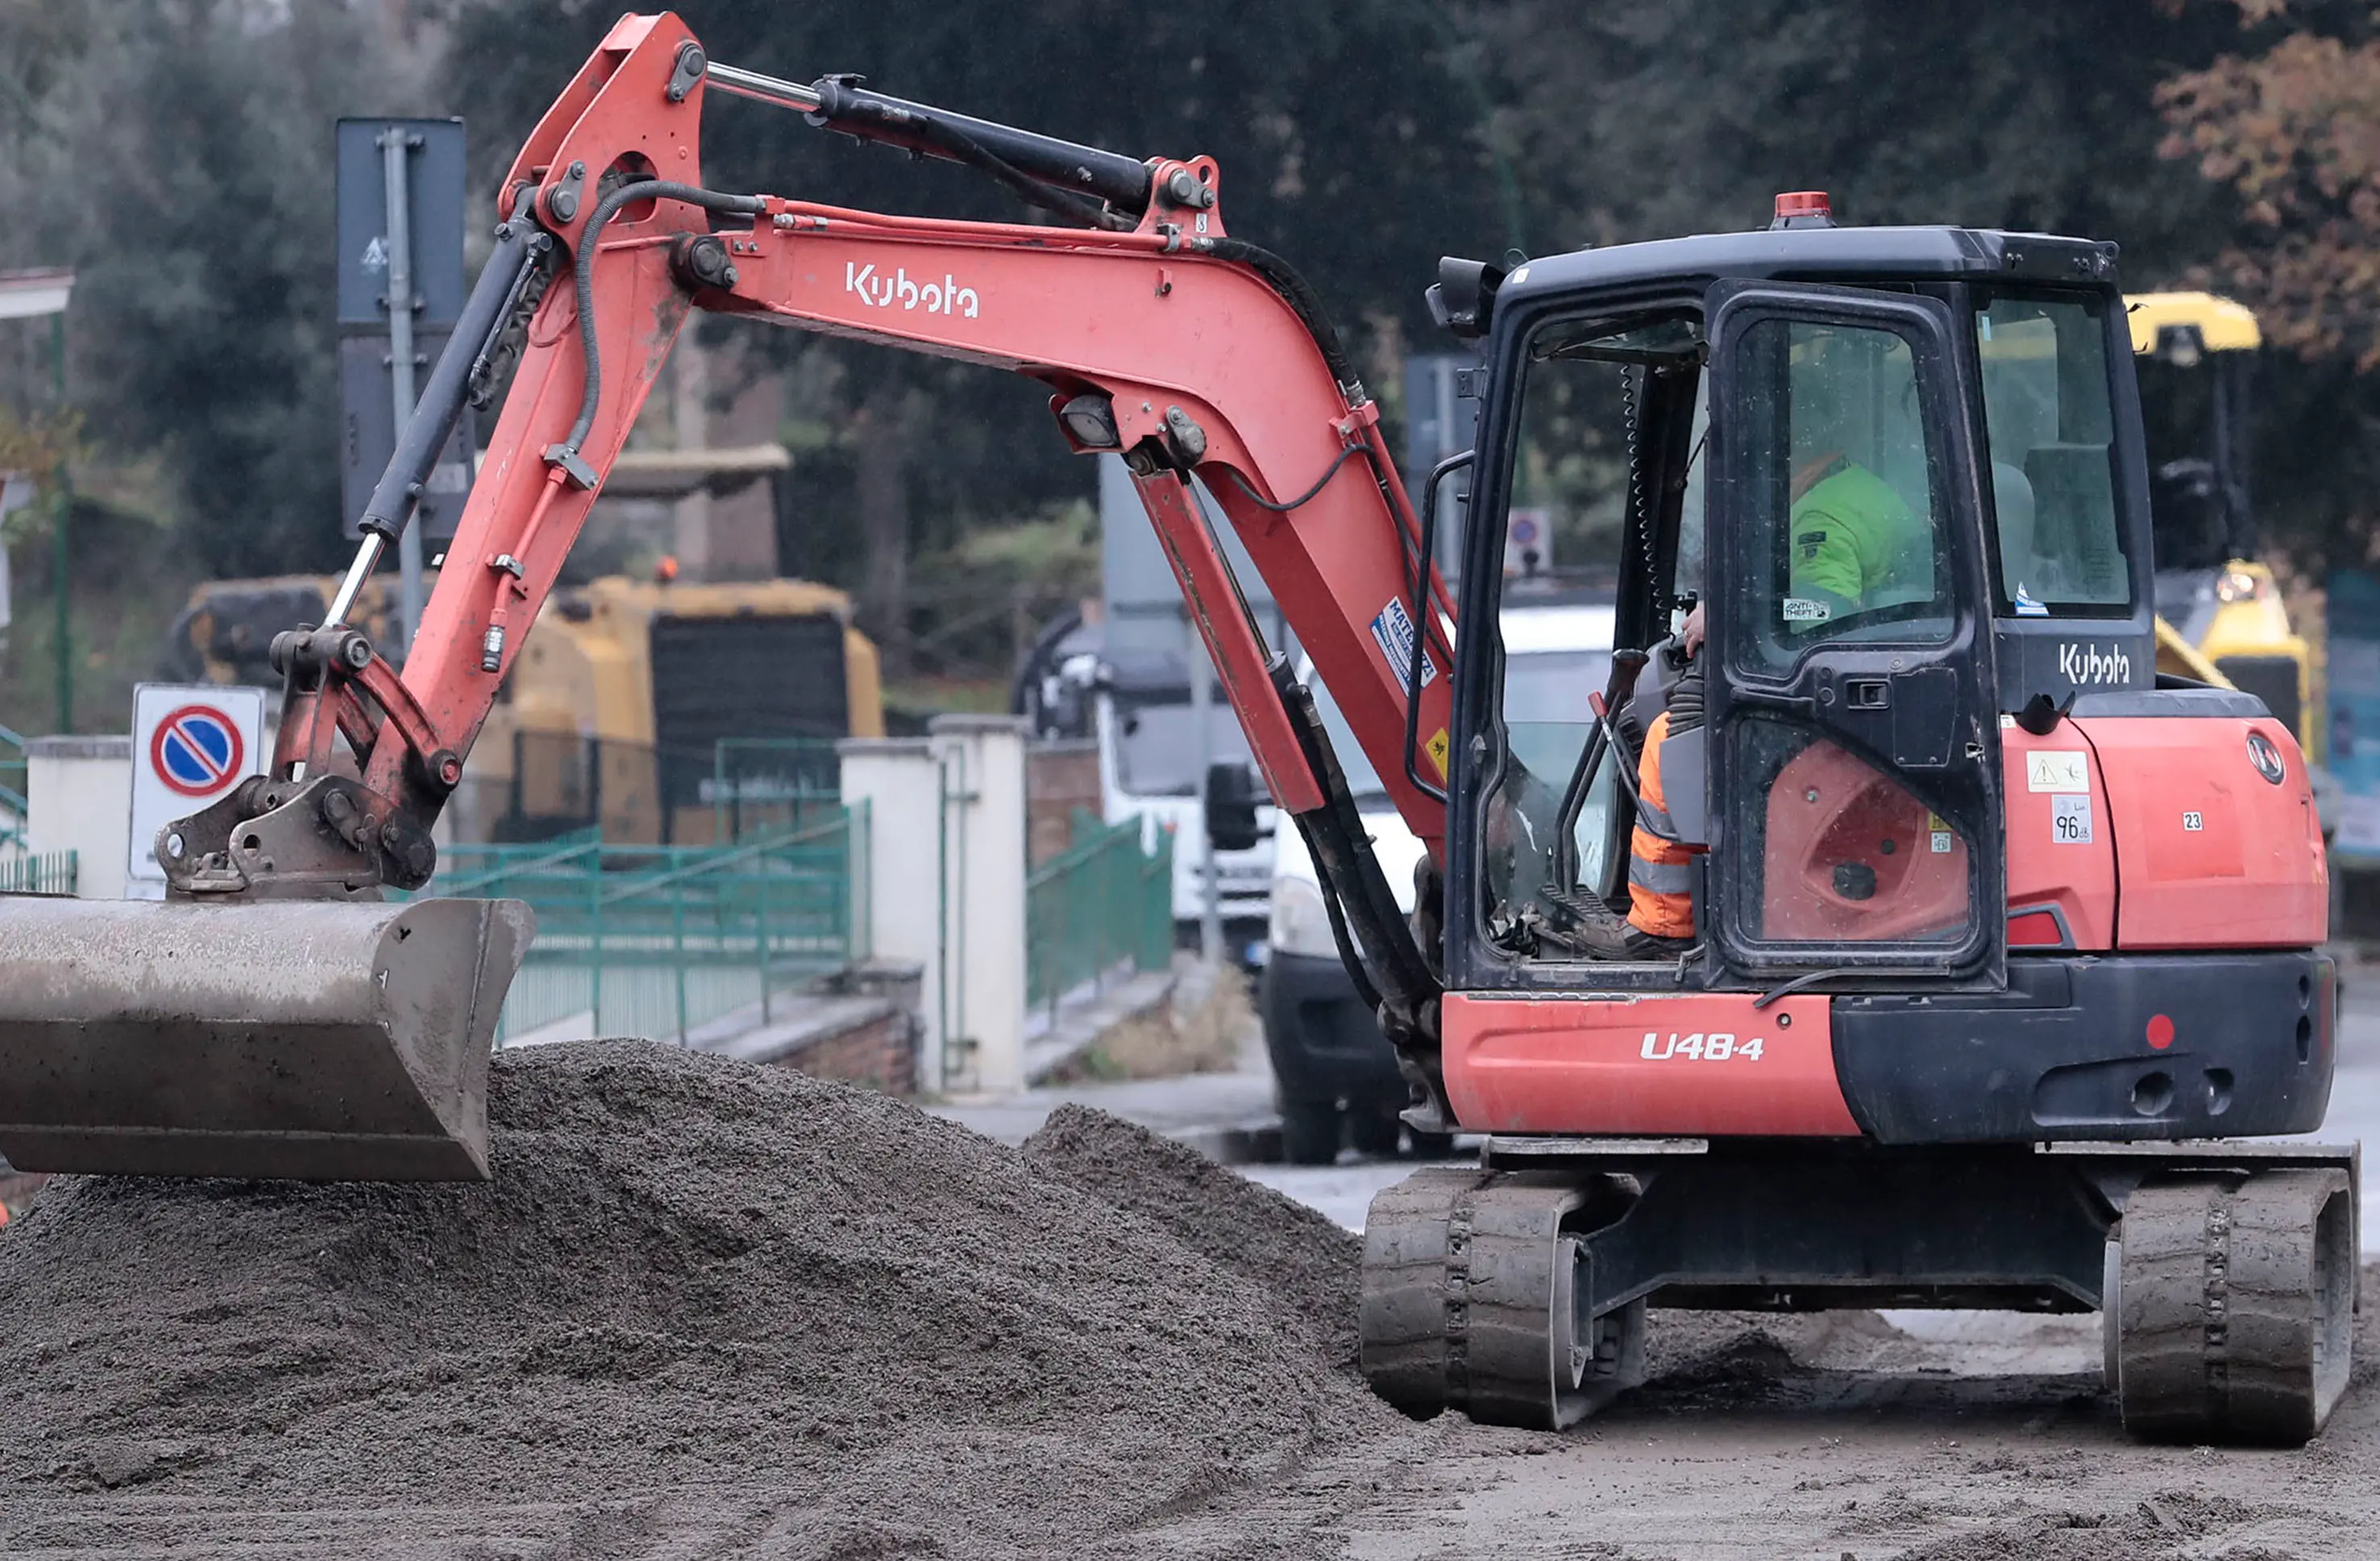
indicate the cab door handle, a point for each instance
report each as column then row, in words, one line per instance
column 1784, row 704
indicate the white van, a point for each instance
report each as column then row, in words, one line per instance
column 1137, row 707
column 1334, row 1077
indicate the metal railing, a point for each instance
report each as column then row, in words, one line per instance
column 660, row 940
column 50, row 872
column 14, row 809
column 1100, row 904
column 760, row 785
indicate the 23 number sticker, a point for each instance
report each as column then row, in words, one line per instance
column 1717, row 1047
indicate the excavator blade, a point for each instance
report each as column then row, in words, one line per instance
column 305, row 1039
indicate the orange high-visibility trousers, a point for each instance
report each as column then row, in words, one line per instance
column 1660, row 881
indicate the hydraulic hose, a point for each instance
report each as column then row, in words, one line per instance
column 1085, row 175
column 1296, row 293
column 583, row 275
column 1058, row 175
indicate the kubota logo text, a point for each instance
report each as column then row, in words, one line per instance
column 899, row 290
column 2088, row 663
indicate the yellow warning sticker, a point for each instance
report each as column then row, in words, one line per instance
column 1438, row 750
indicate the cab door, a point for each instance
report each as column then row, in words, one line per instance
column 1853, row 745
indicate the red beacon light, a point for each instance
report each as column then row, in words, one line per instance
column 1803, row 208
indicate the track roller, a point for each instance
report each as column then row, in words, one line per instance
column 2232, row 1313
column 1470, row 1301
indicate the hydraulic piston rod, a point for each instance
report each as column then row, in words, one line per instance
column 840, row 103
column 763, row 88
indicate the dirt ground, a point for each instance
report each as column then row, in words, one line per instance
column 714, row 1311
column 1851, row 1441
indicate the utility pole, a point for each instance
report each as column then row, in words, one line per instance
column 399, row 232
column 61, row 507
column 395, row 143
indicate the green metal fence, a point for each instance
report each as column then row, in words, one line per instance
column 660, row 940
column 760, row 785
column 52, row 872
column 14, row 809
column 1101, row 903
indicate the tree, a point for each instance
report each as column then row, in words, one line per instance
column 2287, row 121
column 2295, row 129
column 178, row 154
column 1644, row 120
column 1346, row 143
column 1639, row 120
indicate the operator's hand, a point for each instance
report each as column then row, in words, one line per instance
column 1690, row 637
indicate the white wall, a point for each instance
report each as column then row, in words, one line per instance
column 78, row 797
column 946, row 867
column 983, row 766
column 899, row 782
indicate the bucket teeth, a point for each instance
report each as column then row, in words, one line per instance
column 312, row 1040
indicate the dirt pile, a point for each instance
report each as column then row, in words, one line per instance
column 1250, row 1230
column 688, row 1274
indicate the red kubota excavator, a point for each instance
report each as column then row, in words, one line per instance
column 2004, row 946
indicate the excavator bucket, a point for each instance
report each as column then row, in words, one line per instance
column 313, row 1040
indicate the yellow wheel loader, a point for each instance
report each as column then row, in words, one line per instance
column 613, row 713
column 2196, row 355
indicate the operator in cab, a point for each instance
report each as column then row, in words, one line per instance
column 1661, row 885
column 1854, row 545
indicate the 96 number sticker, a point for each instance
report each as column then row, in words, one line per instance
column 1717, row 1047
column 2070, row 820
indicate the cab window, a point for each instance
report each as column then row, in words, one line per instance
column 2050, row 425
column 1554, row 820
column 1846, row 498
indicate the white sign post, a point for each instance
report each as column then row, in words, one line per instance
column 191, row 743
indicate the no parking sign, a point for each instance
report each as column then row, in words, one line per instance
column 191, row 743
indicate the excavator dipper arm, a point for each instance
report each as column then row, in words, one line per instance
column 1162, row 339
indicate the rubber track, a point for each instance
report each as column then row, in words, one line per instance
column 1467, row 1303
column 2234, row 1307
column 1412, row 1319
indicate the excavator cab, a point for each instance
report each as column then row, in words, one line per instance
column 1908, row 510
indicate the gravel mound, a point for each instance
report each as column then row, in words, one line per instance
column 1313, row 1266
column 689, row 1272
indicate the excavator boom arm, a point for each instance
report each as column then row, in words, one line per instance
column 1154, row 341
column 1162, row 339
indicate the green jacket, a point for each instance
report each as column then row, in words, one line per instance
column 1852, row 536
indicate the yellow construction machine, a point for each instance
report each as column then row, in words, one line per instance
column 614, row 710
column 2196, row 355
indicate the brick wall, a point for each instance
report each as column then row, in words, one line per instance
column 1059, row 776
column 878, row 1047
column 878, row 1052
